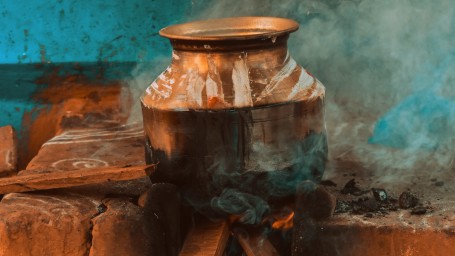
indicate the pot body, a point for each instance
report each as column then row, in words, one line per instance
column 237, row 115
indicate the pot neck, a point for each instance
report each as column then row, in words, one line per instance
column 227, row 45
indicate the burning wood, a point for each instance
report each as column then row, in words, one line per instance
column 253, row 242
column 285, row 223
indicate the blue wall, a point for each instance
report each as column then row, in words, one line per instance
column 43, row 31
column 58, row 33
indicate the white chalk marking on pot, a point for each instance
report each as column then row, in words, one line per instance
column 304, row 83
column 273, row 39
column 213, row 83
column 211, row 88
column 195, row 86
column 241, row 82
column 285, row 72
column 175, row 56
column 162, row 93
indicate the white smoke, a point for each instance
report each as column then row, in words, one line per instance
column 370, row 55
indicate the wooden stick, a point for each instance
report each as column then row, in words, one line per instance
column 207, row 238
column 65, row 179
column 253, row 242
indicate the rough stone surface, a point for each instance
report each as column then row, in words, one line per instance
column 46, row 223
column 82, row 128
column 86, row 148
column 125, row 229
column 60, row 222
column 8, row 151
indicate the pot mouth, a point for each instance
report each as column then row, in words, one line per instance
column 235, row 28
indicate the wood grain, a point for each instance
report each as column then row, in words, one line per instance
column 253, row 242
column 207, row 238
column 44, row 181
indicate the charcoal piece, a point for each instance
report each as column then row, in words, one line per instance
column 370, row 205
column 365, row 205
column 352, row 188
column 379, row 194
column 419, row 210
column 162, row 201
column 407, row 200
column 328, row 183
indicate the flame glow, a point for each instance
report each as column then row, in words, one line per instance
column 284, row 223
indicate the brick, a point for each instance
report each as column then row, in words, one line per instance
column 46, row 224
column 60, row 222
column 8, row 151
column 85, row 148
column 125, row 229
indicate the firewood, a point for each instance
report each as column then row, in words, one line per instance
column 207, row 238
column 253, row 242
column 44, row 181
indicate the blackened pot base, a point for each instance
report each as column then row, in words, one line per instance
column 231, row 161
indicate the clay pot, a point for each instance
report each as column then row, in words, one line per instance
column 234, row 111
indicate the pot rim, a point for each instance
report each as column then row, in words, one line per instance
column 233, row 28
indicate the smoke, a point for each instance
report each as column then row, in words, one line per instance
column 386, row 66
column 140, row 78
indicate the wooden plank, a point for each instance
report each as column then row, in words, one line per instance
column 207, row 238
column 253, row 242
column 44, row 181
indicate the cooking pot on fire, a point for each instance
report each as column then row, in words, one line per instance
column 234, row 116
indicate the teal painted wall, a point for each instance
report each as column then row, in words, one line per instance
column 94, row 33
column 42, row 31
